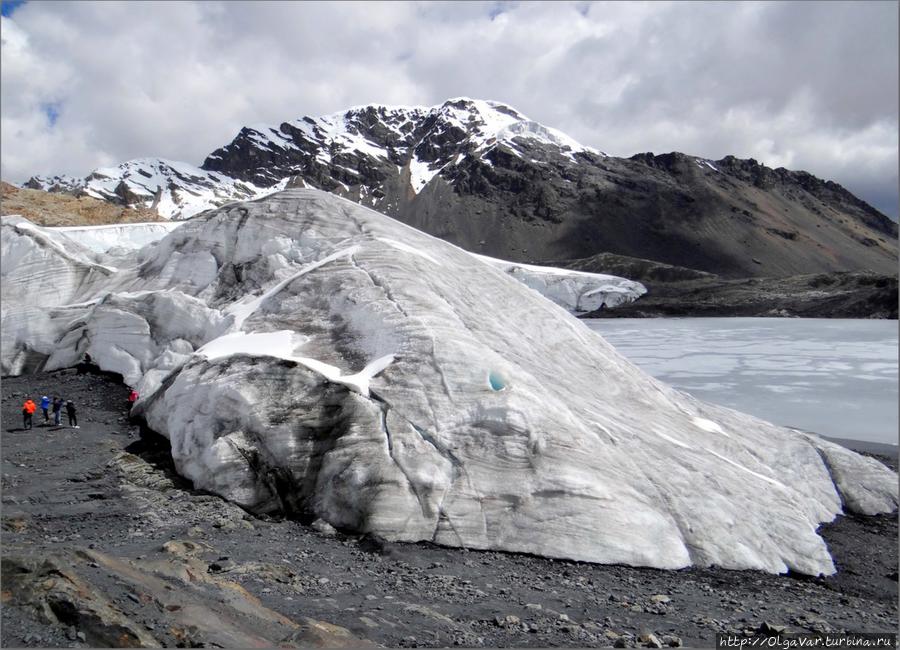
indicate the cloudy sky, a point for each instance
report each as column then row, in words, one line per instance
column 804, row 85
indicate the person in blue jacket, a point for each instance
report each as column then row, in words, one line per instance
column 45, row 406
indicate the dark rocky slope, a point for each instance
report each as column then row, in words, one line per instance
column 679, row 291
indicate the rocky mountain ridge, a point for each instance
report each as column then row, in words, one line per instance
column 483, row 176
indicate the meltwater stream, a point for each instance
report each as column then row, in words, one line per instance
column 836, row 377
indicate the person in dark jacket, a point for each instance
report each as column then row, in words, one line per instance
column 57, row 409
column 70, row 411
column 45, row 407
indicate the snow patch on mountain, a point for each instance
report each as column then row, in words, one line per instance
column 334, row 132
column 174, row 189
column 703, row 162
column 421, row 173
column 533, row 130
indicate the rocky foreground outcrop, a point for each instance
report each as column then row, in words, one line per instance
column 306, row 355
column 201, row 607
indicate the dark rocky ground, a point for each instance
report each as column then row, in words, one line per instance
column 680, row 291
column 828, row 295
column 104, row 545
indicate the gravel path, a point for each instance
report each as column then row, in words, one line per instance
column 102, row 488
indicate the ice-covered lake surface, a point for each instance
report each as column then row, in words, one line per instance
column 836, row 377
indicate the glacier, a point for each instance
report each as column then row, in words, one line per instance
column 107, row 238
column 577, row 291
column 300, row 361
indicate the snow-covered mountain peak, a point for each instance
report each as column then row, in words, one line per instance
column 487, row 116
column 404, row 133
column 368, row 151
column 365, row 153
column 483, row 122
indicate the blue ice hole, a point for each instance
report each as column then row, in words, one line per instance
column 496, row 381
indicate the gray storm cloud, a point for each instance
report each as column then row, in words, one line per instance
column 804, row 85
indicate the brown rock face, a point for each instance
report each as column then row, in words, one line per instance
column 60, row 209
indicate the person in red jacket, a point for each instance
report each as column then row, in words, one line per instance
column 28, row 409
column 132, row 399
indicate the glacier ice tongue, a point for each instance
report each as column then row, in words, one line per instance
column 576, row 291
column 299, row 360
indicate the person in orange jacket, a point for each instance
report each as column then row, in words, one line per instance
column 28, row 409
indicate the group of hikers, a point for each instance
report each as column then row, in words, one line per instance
column 55, row 406
column 47, row 406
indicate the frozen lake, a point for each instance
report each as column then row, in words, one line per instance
column 836, row 377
